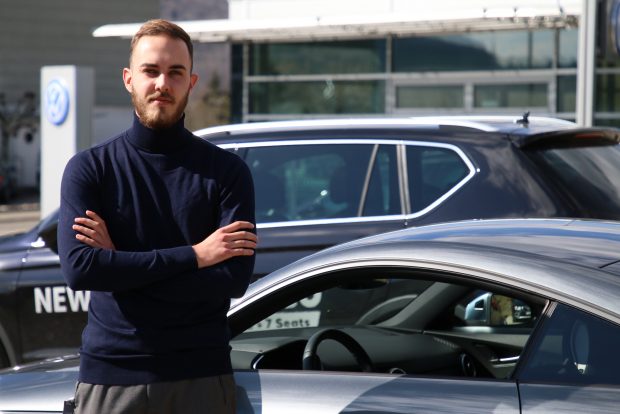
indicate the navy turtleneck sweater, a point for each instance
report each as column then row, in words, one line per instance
column 153, row 315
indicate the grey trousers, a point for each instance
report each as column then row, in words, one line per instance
column 195, row 396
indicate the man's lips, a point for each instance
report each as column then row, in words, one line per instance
column 162, row 99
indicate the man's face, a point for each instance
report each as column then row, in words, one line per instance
column 159, row 80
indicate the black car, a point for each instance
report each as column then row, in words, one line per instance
column 323, row 182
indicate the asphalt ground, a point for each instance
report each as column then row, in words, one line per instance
column 21, row 213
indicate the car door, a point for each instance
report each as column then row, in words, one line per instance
column 317, row 193
column 333, row 393
column 574, row 365
column 408, row 324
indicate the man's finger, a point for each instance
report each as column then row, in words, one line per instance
column 93, row 215
column 84, row 230
column 236, row 226
column 242, row 244
column 86, row 222
column 86, row 240
column 243, row 252
column 241, row 235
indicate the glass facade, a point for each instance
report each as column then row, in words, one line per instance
column 467, row 73
column 567, row 93
column 447, row 96
column 475, row 51
column 359, row 56
column 607, row 92
column 323, row 97
column 567, row 48
column 529, row 95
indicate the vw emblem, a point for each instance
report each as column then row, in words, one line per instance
column 57, row 102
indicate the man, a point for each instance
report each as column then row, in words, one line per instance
column 159, row 225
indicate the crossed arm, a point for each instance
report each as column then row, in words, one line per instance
column 232, row 240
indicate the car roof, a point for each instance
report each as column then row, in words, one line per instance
column 519, row 129
column 558, row 258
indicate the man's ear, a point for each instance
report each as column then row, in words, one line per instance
column 127, row 79
column 192, row 80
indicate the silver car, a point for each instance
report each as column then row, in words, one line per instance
column 510, row 316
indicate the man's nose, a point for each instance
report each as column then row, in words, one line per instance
column 162, row 82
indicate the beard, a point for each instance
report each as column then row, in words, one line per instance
column 159, row 117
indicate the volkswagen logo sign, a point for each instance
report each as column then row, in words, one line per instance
column 56, row 102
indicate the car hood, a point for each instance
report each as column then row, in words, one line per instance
column 39, row 386
column 17, row 242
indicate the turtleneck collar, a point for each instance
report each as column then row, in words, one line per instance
column 158, row 140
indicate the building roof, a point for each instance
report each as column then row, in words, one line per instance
column 334, row 27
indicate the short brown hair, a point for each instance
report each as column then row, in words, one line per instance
column 159, row 27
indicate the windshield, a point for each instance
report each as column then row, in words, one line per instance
column 586, row 176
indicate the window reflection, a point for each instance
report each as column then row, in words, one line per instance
column 445, row 96
column 475, row 51
column 324, row 97
column 511, row 96
column 567, row 93
column 568, row 47
column 358, row 56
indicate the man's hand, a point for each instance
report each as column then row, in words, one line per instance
column 226, row 242
column 93, row 231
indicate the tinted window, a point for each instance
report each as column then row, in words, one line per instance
column 607, row 92
column 586, row 176
column 566, row 93
column 509, row 49
column 511, row 96
column 307, row 182
column 432, row 172
column 568, row 47
column 389, row 313
column 437, row 96
column 355, row 56
column 317, row 97
column 575, row 348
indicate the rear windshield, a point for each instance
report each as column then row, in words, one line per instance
column 586, row 175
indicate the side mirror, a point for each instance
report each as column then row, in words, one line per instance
column 477, row 312
column 491, row 309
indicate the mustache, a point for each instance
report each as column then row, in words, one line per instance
column 160, row 95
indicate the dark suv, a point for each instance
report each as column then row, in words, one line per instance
column 319, row 183
column 323, row 182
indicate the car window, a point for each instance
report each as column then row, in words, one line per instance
column 432, row 172
column 574, row 348
column 401, row 321
column 586, row 176
column 308, row 182
column 361, row 302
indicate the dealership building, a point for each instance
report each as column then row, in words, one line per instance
column 327, row 58
column 290, row 59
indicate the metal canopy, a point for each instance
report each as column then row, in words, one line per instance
column 339, row 27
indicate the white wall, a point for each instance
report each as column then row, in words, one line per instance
column 274, row 9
